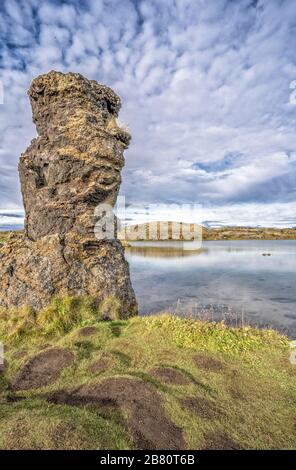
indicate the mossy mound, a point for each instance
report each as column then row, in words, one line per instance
column 120, row 385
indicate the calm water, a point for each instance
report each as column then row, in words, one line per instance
column 229, row 279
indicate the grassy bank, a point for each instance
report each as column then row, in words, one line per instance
column 73, row 381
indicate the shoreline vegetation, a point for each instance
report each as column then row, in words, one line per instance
column 72, row 380
column 154, row 232
column 212, row 234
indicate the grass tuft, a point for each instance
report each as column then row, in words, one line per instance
column 62, row 315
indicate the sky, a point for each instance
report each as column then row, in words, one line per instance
column 207, row 93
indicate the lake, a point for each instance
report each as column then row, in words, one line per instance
column 238, row 281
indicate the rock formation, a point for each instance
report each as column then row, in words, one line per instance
column 72, row 166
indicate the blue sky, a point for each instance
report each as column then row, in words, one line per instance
column 205, row 91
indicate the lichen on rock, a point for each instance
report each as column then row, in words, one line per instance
column 72, row 166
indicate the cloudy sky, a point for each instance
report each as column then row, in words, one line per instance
column 206, row 94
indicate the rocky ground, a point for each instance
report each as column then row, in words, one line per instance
column 73, row 381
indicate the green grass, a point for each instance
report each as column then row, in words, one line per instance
column 54, row 320
column 4, row 236
column 2, row 240
column 254, row 392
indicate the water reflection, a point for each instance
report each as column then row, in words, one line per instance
column 231, row 278
column 163, row 251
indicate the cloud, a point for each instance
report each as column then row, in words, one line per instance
column 205, row 90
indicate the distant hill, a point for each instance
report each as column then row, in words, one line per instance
column 157, row 231
column 249, row 233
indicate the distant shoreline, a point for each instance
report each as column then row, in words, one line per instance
column 212, row 234
column 249, row 233
column 208, row 234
